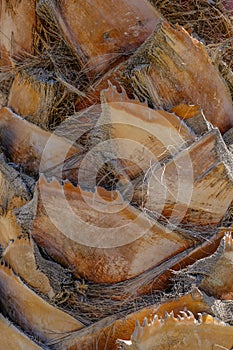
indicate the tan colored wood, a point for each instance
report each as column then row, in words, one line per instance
column 169, row 75
column 13, row 189
column 17, row 21
column 142, row 136
column 33, row 96
column 219, row 283
column 186, row 331
column 19, row 254
column 33, row 148
column 13, row 339
column 99, row 235
column 159, row 277
column 9, row 228
column 14, row 192
column 194, row 187
column 104, row 336
column 30, row 311
column 102, row 33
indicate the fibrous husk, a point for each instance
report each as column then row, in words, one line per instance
column 37, row 96
column 223, row 309
column 219, row 283
column 182, row 332
column 165, row 71
column 93, row 92
column 15, row 191
column 195, row 187
column 212, row 274
column 20, row 255
column 194, row 117
column 30, row 311
column 16, row 188
column 208, row 21
column 228, row 138
column 103, row 299
column 78, row 127
column 105, row 333
column 98, row 38
column 98, row 234
column 17, row 23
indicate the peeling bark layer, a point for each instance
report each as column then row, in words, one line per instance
column 100, row 235
column 97, row 37
column 31, row 312
column 17, row 21
column 181, row 332
column 165, row 70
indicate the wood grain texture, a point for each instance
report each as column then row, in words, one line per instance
column 104, row 336
column 196, row 186
column 13, row 339
column 186, row 331
column 102, row 33
column 30, row 311
column 32, row 147
column 140, row 135
column 101, row 236
column 19, row 254
column 17, row 21
column 33, row 96
column 169, row 75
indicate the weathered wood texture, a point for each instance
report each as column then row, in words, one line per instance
column 30, row 311
column 195, row 186
column 14, row 192
column 142, row 136
column 219, row 283
column 100, row 235
column 17, row 21
column 20, row 255
column 33, row 96
column 99, row 37
column 32, row 147
column 104, row 336
column 13, row 339
column 213, row 274
column 184, row 331
column 165, row 71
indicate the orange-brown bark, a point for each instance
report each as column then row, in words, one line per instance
column 100, row 235
column 13, row 339
column 185, row 331
column 169, row 75
column 140, row 135
column 219, row 283
column 33, row 148
column 33, row 97
column 14, row 193
column 17, row 21
column 102, row 33
column 194, row 187
column 19, row 254
column 105, row 336
column 30, row 311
